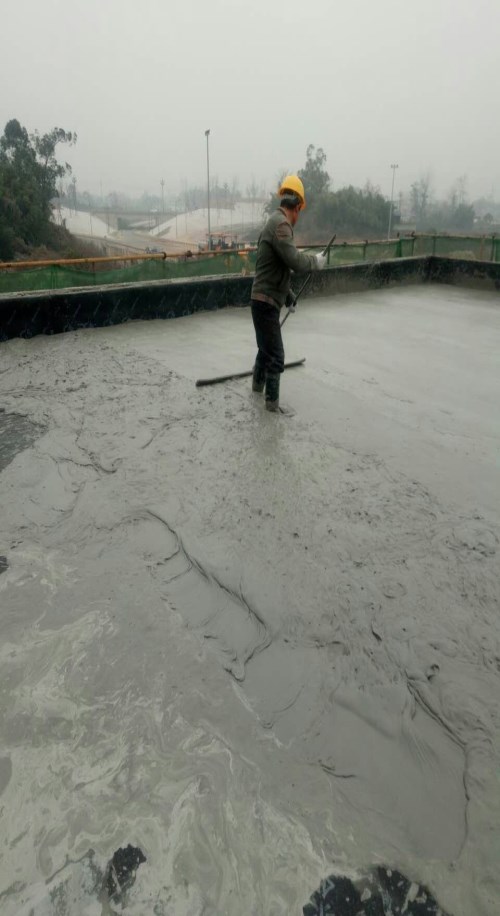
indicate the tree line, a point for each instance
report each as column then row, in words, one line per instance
column 31, row 177
column 350, row 211
column 455, row 214
column 29, row 171
column 364, row 212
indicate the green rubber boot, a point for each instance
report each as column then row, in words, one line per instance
column 258, row 379
column 273, row 392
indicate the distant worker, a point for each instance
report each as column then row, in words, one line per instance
column 277, row 256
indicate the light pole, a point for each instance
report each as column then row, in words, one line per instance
column 207, row 134
column 394, row 166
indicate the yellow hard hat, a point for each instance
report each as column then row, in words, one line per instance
column 293, row 184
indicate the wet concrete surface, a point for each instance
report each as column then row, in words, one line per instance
column 263, row 650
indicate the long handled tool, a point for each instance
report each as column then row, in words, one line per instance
column 228, row 378
column 308, row 278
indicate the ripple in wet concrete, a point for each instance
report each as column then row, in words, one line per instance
column 16, row 434
column 325, row 717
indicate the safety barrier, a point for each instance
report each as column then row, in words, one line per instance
column 148, row 268
column 49, row 275
column 479, row 248
column 25, row 314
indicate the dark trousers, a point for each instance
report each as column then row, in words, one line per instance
column 266, row 321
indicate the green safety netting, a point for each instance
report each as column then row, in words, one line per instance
column 59, row 276
column 64, row 276
column 448, row 246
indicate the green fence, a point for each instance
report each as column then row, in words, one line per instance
column 60, row 276
column 486, row 248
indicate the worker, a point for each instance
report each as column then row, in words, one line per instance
column 277, row 257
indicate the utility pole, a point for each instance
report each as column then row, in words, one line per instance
column 162, row 182
column 394, row 166
column 207, row 134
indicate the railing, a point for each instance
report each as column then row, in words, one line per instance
column 479, row 248
column 23, row 276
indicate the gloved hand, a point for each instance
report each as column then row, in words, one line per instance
column 321, row 260
column 291, row 300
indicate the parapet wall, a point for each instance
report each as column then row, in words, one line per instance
column 56, row 311
column 465, row 272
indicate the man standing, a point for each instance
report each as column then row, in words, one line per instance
column 277, row 256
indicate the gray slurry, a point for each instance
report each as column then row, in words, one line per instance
column 261, row 649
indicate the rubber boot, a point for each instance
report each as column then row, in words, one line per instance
column 258, row 379
column 273, row 391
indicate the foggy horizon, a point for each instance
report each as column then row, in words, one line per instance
column 372, row 84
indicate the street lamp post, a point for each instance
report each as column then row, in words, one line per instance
column 207, row 134
column 394, row 166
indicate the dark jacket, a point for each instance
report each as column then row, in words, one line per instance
column 277, row 256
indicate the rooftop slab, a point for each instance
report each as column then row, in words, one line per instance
column 261, row 649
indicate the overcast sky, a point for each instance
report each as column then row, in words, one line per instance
column 414, row 82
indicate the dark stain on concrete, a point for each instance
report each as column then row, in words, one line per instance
column 383, row 892
column 16, row 434
column 121, row 872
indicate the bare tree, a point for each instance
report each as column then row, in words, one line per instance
column 420, row 195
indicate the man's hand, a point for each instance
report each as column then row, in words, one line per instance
column 291, row 300
column 321, row 260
